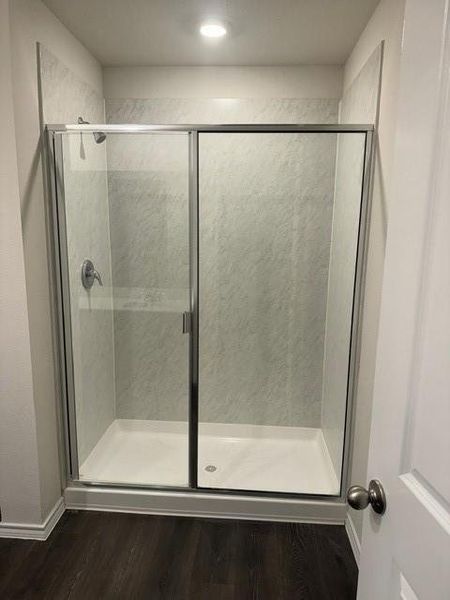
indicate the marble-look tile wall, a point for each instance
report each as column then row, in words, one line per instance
column 265, row 226
column 285, row 186
column 64, row 97
column 358, row 105
column 148, row 183
column 221, row 110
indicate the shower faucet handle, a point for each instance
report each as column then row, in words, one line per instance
column 89, row 274
column 98, row 277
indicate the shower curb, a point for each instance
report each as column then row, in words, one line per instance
column 195, row 504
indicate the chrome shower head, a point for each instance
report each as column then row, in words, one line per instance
column 99, row 136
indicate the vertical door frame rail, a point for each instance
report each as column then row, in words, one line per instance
column 56, row 180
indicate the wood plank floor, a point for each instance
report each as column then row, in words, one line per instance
column 94, row 555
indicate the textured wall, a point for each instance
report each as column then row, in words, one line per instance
column 64, row 98
column 222, row 110
column 149, row 216
column 358, row 105
column 265, row 226
column 292, row 189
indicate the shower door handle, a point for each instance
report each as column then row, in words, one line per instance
column 187, row 322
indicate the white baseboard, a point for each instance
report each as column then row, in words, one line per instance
column 32, row 531
column 353, row 537
column 204, row 505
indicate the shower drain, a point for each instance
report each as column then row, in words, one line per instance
column 211, row 468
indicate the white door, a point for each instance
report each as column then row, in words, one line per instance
column 406, row 552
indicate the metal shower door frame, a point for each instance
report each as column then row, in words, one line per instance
column 56, row 180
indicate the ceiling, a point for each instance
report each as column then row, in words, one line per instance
column 260, row 32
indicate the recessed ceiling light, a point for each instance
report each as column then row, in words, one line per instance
column 212, row 30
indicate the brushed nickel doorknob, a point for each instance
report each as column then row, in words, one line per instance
column 359, row 498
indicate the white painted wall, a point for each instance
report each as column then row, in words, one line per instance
column 30, row 473
column 223, row 82
column 386, row 24
column 19, row 473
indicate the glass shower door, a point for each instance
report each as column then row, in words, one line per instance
column 123, row 205
column 279, row 219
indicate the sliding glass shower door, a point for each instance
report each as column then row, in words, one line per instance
column 210, row 289
column 123, row 216
column 279, row 220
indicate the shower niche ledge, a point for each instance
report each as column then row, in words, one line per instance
column 146, row 300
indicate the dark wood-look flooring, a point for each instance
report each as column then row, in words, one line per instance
column 94, row 555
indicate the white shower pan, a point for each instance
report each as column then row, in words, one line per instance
column 231, row 456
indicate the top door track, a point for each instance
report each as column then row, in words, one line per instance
column 256, row 128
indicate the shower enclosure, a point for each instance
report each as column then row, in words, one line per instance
column 209, row 288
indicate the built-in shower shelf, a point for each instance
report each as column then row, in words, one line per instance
column 171, row 306
column 156, row 300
